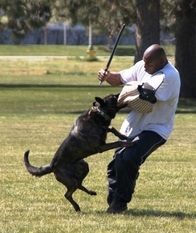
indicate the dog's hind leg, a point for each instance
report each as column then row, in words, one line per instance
column 65, row 174
column 81, row 170
column 91, row 192
column 68, row 196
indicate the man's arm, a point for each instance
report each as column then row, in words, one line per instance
column 113, row 78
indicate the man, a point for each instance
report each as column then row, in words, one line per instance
column 148, row 131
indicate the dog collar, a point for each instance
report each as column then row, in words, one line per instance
column 103, row 114
column 96, row 109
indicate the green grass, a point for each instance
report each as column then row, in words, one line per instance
column 37, row 111
column 75, row 50
column 60, row 50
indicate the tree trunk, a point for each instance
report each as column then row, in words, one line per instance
column 186, row 46
column 147, row 25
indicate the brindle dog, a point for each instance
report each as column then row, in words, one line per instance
column 87, row 137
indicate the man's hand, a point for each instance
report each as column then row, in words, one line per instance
column 103, row 75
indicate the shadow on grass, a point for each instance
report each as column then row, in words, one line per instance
column 159, row 213
column 155, row 213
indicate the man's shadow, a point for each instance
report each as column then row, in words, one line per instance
column 155, row 213
column 159, row 213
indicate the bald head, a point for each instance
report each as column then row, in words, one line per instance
column 154, row 51
column 154, row 58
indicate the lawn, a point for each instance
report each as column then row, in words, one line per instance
column 40, row 97
column 63, row 50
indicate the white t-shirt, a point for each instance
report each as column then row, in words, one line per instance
column 161, row 119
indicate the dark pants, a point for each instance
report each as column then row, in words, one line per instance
column 123, row 170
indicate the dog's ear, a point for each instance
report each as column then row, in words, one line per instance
column 100, row 101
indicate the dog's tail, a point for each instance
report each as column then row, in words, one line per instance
column 36, row 171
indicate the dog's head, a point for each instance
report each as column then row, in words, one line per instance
column 108, row 105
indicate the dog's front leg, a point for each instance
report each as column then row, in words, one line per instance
column 116, row 133
column 113, row 145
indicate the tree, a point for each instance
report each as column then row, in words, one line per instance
column 110, row 15
column 106, row 16
column 23, row 15
column 147, row 25
column 185, row 56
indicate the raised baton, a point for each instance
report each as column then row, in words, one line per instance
column 113, row 51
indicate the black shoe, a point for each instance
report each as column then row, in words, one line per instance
column 117, row 207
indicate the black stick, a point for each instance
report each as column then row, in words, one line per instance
column 113, row 51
